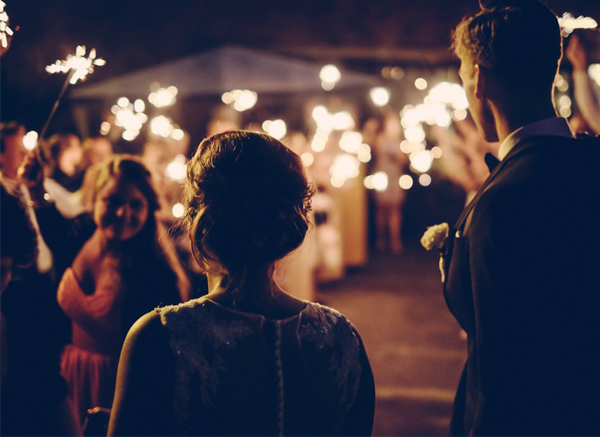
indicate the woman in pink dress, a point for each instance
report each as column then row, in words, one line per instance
column 248, row 358
column 123, row 271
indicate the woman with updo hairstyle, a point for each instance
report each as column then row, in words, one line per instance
column 247, row 358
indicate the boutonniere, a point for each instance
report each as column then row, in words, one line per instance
column 435, row 238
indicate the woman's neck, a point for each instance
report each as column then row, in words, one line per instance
column 258, row 295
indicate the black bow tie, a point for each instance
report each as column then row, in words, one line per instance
column 491, row 161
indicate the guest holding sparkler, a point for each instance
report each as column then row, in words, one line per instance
column 248, row 358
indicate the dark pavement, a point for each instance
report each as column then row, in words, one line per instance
column 413, row 342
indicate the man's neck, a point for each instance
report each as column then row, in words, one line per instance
column 510, row 120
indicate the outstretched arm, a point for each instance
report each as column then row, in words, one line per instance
column 583, row 88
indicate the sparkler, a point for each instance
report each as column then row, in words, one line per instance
column 77, row 67
column 568, row 23
column 4, row 29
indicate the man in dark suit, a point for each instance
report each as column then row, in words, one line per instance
column 522, row 260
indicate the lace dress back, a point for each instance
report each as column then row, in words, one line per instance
column 244, row 374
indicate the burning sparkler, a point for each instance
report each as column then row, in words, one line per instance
column 77, row 67
column 4, row 29
column 568, row 23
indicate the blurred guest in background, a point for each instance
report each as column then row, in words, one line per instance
column 389, row 159
column 96, row 150
column 34, row 396
column 588, row 101
column 64, row 154
column 248, row 358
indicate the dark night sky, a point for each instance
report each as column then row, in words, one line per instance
column 131, row 34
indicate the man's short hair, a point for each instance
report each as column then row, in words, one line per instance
column 519, row 40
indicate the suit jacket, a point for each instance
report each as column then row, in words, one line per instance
column 522, row 281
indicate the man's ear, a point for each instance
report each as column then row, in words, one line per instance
column 486, row 85
column 480, row 81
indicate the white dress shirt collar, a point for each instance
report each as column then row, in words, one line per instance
column 554, row 126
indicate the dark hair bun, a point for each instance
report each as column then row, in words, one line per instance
column 247, row 199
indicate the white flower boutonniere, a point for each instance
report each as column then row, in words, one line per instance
column 435, row 238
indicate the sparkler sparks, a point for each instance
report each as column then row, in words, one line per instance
column 569, row 23
column 4, row 29
column 79, row 66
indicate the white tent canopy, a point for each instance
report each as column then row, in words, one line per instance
column 221, row 70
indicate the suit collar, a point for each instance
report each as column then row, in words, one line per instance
column 554, row 126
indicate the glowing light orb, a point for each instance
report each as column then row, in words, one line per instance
column 342, row 120
column 345, row 167
column 162, row 126
column 560, row 83
column 176, row 169
column 337, row 181
column 565, row 111
column 350, row 141
column 459, row 114
column 364, row 153
column 178, row 134
column 163, row 96
column 330, row 75
column 564, row 101
column 241, row 100
column 275, row 128
column 105, row 128
column 323, row 118
column 380, row 181
column 380, row 96
column 425, row 180
column 307, row 159
column 421, row 161
column 421, row 84
column 178, row 210
column 30, row 140
column 319, row 142
column 436, row 152
column 405, row 182
column 414, row 134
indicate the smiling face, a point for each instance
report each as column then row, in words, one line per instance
column 120, row 210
